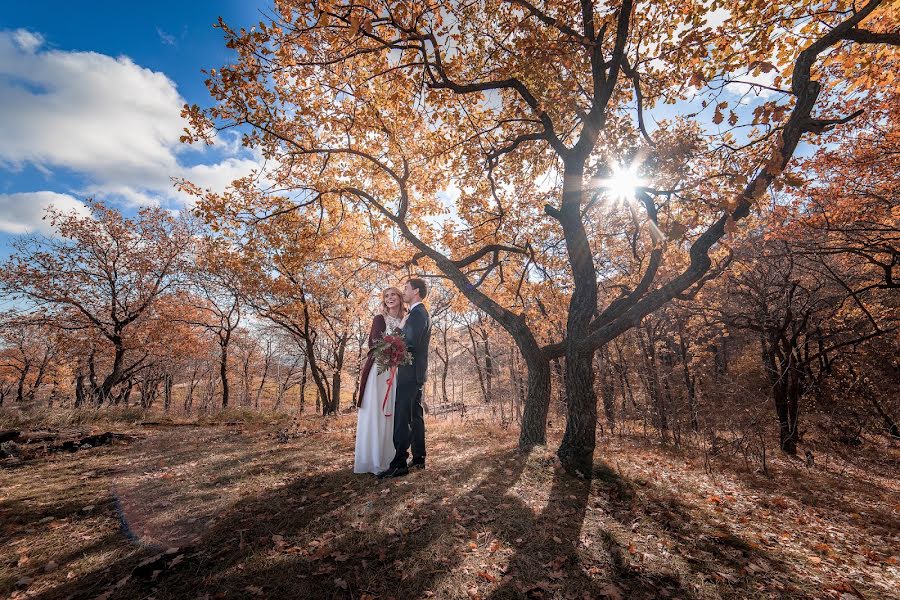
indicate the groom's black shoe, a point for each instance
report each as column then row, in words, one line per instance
column 393, row 472
column 416, row 466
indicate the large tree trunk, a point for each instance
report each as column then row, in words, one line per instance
column 103, row 392
column 537, row 400
column 577, row 449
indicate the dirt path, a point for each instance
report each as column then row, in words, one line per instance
column 223, row 513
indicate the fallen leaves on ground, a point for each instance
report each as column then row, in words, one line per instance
column 244, row 512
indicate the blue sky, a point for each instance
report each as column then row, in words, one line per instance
column 90, row 95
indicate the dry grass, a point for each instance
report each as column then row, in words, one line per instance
column 245, row 516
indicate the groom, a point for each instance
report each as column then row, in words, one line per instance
column 409, row 418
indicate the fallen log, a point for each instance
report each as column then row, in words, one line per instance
column 9, row 434
column 91, row 441
column 36, row 437
column 33, row 444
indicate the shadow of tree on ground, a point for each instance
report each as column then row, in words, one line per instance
column 484, row 521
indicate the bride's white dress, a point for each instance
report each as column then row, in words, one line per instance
column 374, row 431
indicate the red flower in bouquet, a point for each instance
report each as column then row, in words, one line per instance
column 391, row 352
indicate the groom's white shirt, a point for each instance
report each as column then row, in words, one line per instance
column 414, row 304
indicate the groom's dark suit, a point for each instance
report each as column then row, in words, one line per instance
column 409, row 417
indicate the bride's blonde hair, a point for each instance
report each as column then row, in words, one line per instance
column 384, row 308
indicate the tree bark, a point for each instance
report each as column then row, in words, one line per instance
column 39, row 378
column 265, row 374
column 359, row 366
column 690, row 383
column 607, row 386
column 223, row 369
column 478, row 371
column 445, row 361
column 79, row 391
column 577, row 449
column 126, row 394
column 20, row 384
column 336, row 378
column 167, row 391
column 534, row 418
column 104, row 391
column 488, row 372
column 650, row 377
column 303, row 386
column 889, row 423
column 779, row 357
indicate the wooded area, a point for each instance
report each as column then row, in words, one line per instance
column 663, row 225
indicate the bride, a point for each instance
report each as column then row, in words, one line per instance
column 375, row 421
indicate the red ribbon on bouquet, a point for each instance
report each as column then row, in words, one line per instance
column 387, row 394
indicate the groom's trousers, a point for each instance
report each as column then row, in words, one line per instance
column 409, row 424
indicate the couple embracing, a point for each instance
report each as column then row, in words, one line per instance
column 390, row 416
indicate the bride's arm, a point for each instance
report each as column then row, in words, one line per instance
column 377, row 331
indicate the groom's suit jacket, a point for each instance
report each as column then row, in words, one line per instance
column 417, row 333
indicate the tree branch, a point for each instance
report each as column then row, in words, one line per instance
column 864, row 36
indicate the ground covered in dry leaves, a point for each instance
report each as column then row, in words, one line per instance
column 242, row 512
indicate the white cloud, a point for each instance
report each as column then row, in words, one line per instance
column 28, row 41
column 450, row 196
column 219, row 175
column 85, row 111
column 109, row 120
column 717, row 17
column 24, row 213
column 745, row 83
column 166, row 38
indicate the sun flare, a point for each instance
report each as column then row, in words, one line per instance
column 623, row 182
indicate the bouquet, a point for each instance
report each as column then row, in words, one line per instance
column 391, row 352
